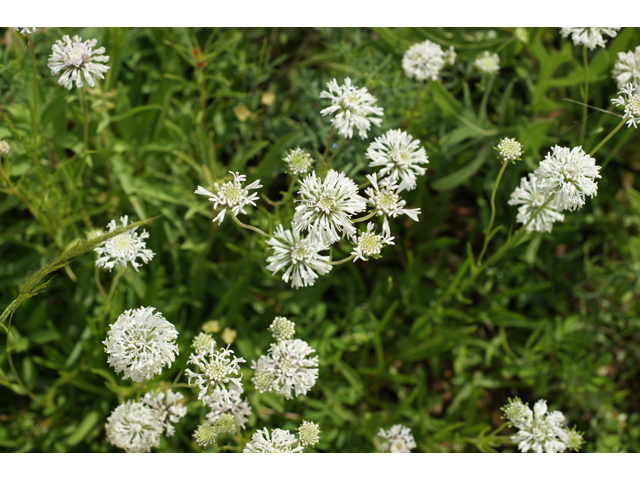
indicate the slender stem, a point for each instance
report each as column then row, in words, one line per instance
column 34, row 112
column 608, row 137
column 365, row 218
column 326, row 149
column 583, row 131
column 249, row 227
column 487, row 233
column 112, row 289
column 98, row 282
column 203, row 100
column 335, row 152
column 288, row 193
column 86, row 132
column 415, row 105
column 344, row 260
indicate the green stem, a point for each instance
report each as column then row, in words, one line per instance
column 608, row 137
column 249, row 227
column 487, row 233
column 365, row 218
column 326, row 149
column 583, row 131
column 289, row 192
column 86, row 132
column 335, row 152
column 344, row 260
column 415, row 105
column 34, row 112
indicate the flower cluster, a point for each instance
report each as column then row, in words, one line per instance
column 509, row 150
column 5, row 148
column 298, row 161
column 24, row 31
column 218, row 368
column 233, row 403
column 627, row 68
column 398, row 439
column 629, row 99
column 134, row 427
column 385, row 200
column 530, row 198
column 309, row 433
column 424, row 60
column 276, row 441
column 488, row 62
column 282, row 329
column 168, row 408
column 368, row 244
column 202, row 342
column 124, row 248
column 591, row 37
column 232, row 195
column 77, row 59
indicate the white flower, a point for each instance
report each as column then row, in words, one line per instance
column 450, row 56
column 368, row 244
column 300, row 257
column 217, row 371
column 538, row 430
column 167, row 407
column 326, row 206
column 522, row 34
column 354, row 106
column 5, row 148
column 234, row 404
column 309, row 433
column 24, row 31
column 298, row 161
column 134, row 427
column 398, row 439
column 286, row 368
column 124, row 248
column 279, row 441
column 518, row 414
column 400, row 156
column 509, row 150
column 140, row 343
column 202, row 342
column 387, row 202
column 425, row 60
column 530, row 198
column 591, row 37
column 232, row 195
column 282, row 329
column 488, row 62
column 627, row 68
column 570, row 175
column 631, row 104
column 77, row 59
column 205, row 434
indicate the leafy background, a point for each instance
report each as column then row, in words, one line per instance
column 556, row 318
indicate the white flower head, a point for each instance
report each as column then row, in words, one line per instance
column 77, row 59
column 398, row 439
column 286, row 368
column 309, row 433
column 205, row 434
column 574, row 439
column 5, row 148
column 134, row 427
column 488, row 62
column 570, row 174
column 530, row 199
column 326, row 207
column 424, row 60
column 231, row 195
column 300, row 257
column 522, row 34
column 355, row 107
column 167, row 406
column 629, row 99
column 24, row 31
column 518, row 414
column 384, row 198
column 140, row 343
column 591, row 37
column 509, row 150
column 124, row 248
column 400, row 157
column 232, row 403
column 298, row 161
column 369, row 245
column 218, row 367
column 627, row 68
column 278, row 441
column 282, row 329
column 202, row 342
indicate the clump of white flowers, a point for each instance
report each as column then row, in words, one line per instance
column 167, row 406
column 627, row 68
column 630, row 100
column 398, row 439
column 282, row 329
column 488, row 62
column 326, row 206
column 24, row 31
column 231, row 195
column 140, row 343
column 300, row 257
column 355, row 107
column 424, row 60
column 509, row 150
column 202, row 342
column 5, row 148
column 232, row 403
column 77, row 59
column 569, row 175
column 368, row 244
column 591, row 37
column 134, row 427
column 124, row 248
column 309, row 433
column 400, row 157
column 218, row 368
column 278, row 441
column 298, row 161
column 540, row 430
column 530, row 199
column 384, row 198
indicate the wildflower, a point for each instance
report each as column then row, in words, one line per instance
column 124, row 248
column 488, row 62
column 368, row 244
column 450, row 56
column 509, row 150
column 398, row 439
column 205, row 434
column 77, row 59
column 631, row 104
column 591, row 37
column 232, row 195
column 522, row 34
column 326, row 206
column 202, row 342
column 282, row 329
column 424, row 60
column 217, row 370
column 574, row 439
column 226, row 423
column 354, row 106
column 5, row 148
column 627, row 68
column 399, row 156
column 279, row 441
column 309, row 433
column 298, row 161
column 24, row 31
column 387, row 202
column 518, row 414
column 134, row 427
column 233, row 403
column 530, row 199
column 288, row 365
column 167, row 406
column 211, row 326
column 570, row 175
column 140, row 343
